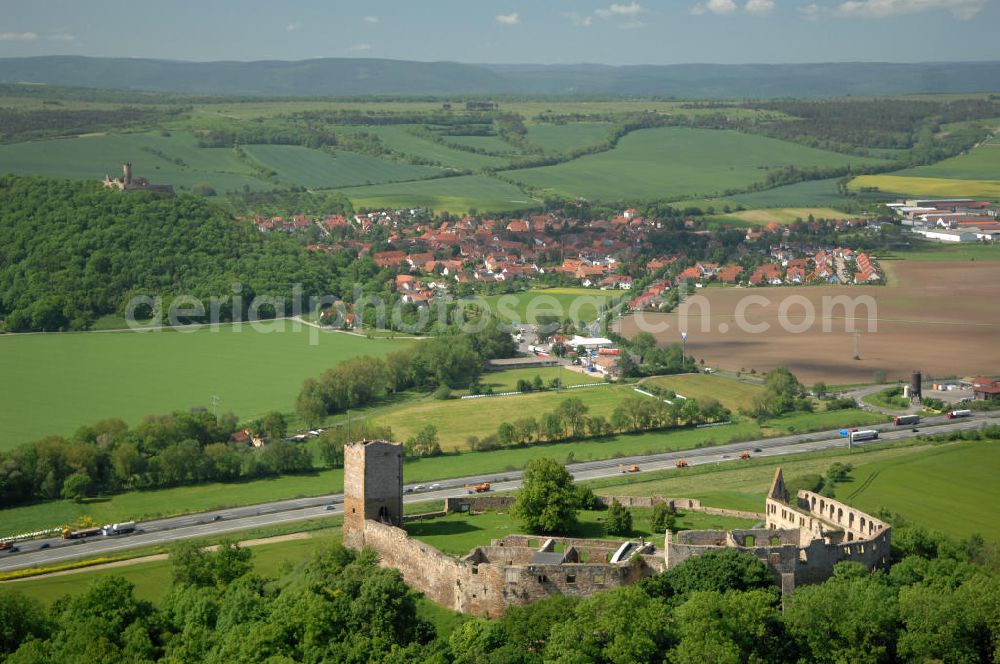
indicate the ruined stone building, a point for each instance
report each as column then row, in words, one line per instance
column 800, row 542
column 128, row 182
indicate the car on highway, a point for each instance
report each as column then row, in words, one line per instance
column 419, row 487
column 330, row 508
column 434, row 487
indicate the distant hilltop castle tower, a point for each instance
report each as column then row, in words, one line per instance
column 127, row 182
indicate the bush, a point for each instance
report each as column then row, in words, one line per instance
column 443, row 393
column 663, row 519
column 619, row 520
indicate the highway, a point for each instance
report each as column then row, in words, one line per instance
column 56, row 550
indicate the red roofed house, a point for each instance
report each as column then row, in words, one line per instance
column 730, row 274
column 985, row 389
column 389, row 258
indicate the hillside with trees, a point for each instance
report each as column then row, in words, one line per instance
column 71, row 252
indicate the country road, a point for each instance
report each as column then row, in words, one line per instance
column 233, row 520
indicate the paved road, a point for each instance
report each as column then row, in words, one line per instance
column 270, row 514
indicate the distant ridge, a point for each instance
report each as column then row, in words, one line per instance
column 369, row 76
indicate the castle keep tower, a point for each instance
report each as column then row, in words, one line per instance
column 373, row 487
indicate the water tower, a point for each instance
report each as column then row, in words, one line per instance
column 915, row 381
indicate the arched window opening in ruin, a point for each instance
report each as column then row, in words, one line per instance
column 749, row 540
column 814, row 502
column 850, row 537
column 775, row 540
column 850, row 519
column 861, row 523
column 840, row 515
column 822, row 505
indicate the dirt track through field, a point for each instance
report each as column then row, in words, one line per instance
column 940, row 317
column 160, row 556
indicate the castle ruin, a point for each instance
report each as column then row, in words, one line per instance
column 129, row 182
column 800, row 543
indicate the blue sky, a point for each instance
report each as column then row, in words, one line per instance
column 509, row 31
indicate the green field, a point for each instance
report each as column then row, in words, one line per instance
column 580, row 304
column 675, row 162
column 733, row 394
column 951, row 251
column 456, row 420
column 398, row 138
column 322, row 170
column 928, row 186
column 91, row 157
column 783, row 215
column 567, row 137
column 455, row 194
column 981, row 163
column 506, row 381
column 55, row 383
column 457, row 534
column 952, row 488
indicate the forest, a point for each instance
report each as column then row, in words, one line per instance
column 937, row 603
column 71, row 252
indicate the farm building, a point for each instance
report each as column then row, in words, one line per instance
column 985, row 389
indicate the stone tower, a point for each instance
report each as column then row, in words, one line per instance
column 127, row 173
column 373, row 487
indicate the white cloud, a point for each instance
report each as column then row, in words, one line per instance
column 361, row 48
column 718, row 7
column 371, row 19
column 18, row 36
column 632, row 9
column 292, row 27
column 811, row 12
column 509, row 19
column 578, row 20
column 62, row 36
column 960, row 9
column 760, row 7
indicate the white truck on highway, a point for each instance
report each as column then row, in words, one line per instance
column 118, row 528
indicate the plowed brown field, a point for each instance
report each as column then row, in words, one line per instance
column 940, row 317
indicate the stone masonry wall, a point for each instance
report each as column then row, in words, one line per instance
column 423, row 567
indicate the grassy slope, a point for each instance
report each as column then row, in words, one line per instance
column 492, row 144
column 951, row 488
column 457, row 420
column 147, row 504
column 90, row 157
column 981, row 163
column 455, row 194
column 732, row 394
column 576, row 303
column 321, row 170
column 505, row 381
column 55, row 383
column 676, row 161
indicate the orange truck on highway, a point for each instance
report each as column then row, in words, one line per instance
column 480, row 488
column 681, row 463
column 629, row 469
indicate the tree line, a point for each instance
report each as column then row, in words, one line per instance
column 453, row 360
column 570, row 420
column 161, row 451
